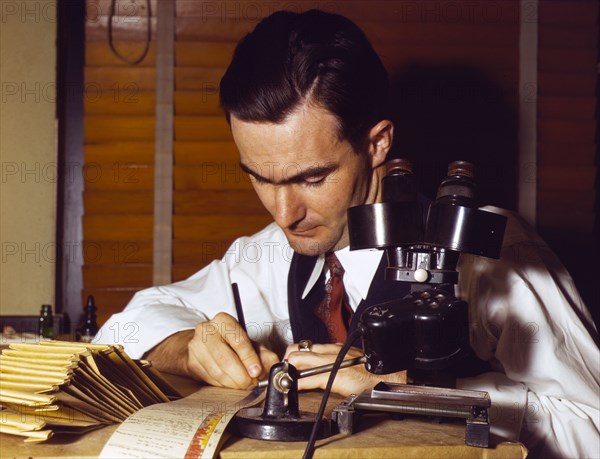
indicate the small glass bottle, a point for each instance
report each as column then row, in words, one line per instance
column 89, row 327
column 66, row 324
column 46, row 322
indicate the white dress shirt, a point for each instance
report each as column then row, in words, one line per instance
column 526, row 319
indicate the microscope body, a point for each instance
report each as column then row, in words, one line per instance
column 426, row 332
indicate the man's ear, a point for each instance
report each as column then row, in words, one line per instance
column 380, row 141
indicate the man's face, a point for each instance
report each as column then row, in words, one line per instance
column 305, row 176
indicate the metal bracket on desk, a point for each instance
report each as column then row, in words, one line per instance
column 420, row 400
column 280, row 419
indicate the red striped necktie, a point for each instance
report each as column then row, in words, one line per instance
column 334, row 310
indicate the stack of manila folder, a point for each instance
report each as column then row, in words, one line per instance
column 70, row 387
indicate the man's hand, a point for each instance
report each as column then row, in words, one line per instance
column 352, row 380
column 218, row 352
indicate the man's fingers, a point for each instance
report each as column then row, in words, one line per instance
column 352, row 380
column 216, row 363
column 268, row 358
column 348, row 380
column 325, row 349
column 222, row 354
column 234, row 335
column 313, row 382
column 303, row 360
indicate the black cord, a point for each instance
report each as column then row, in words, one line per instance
column 148, row 36
column 310, row 447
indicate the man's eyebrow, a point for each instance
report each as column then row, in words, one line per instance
column 294, row 173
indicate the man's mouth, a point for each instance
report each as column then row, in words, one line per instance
column 305, row 232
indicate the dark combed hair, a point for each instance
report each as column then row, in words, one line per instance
column 316, row 57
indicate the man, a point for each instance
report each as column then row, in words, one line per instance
column 306, row 96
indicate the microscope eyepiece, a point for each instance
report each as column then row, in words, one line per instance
column 459, row 185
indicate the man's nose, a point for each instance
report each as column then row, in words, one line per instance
column 288, row 206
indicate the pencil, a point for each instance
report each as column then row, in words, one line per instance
column 238, row 306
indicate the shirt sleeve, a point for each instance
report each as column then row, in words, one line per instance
column 529, row 322
column 258, row 264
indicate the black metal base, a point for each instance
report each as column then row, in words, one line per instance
column 250, row 422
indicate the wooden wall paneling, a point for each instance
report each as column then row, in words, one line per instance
column 443, row 33
column 215, row 226
column 115, row 277
column 130, row 228
column 122, row 176
column 573, row 13
column 103, row 253
column 501, row 59
column 129, row 29
column 99, row 54
column 568, row 35
column 198, row 103
column 565, row 84
column 125, row 151
column 211, row 151
column 568, row 59
column 119, row 155
column 193, row 253
column 567, row 130
column 567, row 177
column 559, row 154
column 186, row 270
column 209, row 128
column 203, row 54
column 571, row 107
column 212, row 29
column 127, row 10
column 118, row 202
column 106, row 128
column 204, row 79
column 210, row 189
column 553, row 59
column 564, row 216
column 211, row 176
column 385, row 11
column 568, row 138
column 120, row 82
column 136, row 103
column 200, row 202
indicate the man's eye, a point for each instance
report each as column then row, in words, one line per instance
column 314, row 181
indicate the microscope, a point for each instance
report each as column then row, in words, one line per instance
column 425, row 333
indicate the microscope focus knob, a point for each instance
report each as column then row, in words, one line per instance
column 421, row 275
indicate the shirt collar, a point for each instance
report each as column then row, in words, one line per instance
column 359, row 269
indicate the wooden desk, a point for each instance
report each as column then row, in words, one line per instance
column 379, row 437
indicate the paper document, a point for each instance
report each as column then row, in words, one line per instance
column 192, row 427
